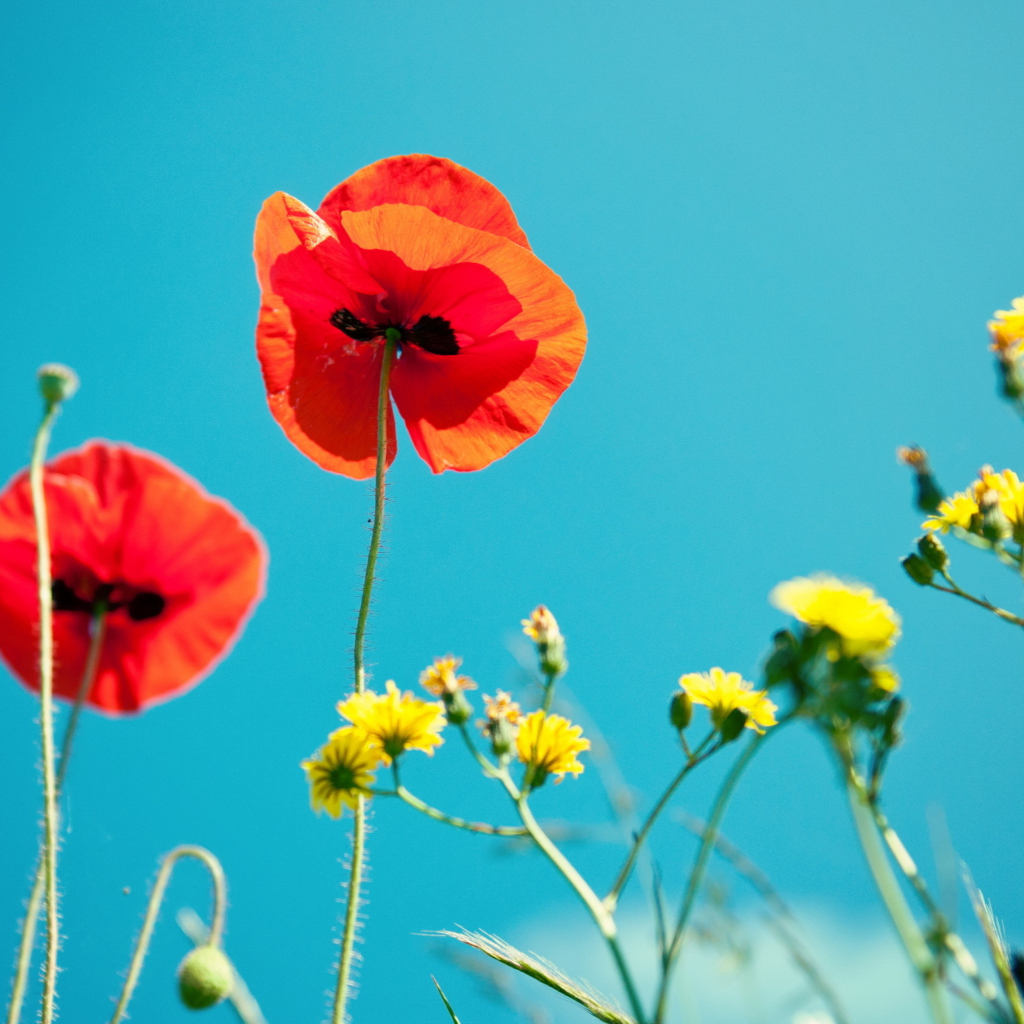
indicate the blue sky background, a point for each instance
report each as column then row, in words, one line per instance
column 786, row 223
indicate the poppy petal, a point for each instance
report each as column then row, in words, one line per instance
column 321, row 386
column 464, row 411
column 440, row 185
column 128, row 519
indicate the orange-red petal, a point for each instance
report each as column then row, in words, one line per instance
column 321, row 386
column 464, row 411
column 440, row 185
column 118, row 515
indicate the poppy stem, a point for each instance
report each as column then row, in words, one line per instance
column 153, row 909
column 355, row 879
column 28, row 928
column 39, row 446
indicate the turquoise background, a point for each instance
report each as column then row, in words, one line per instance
column 787, row 224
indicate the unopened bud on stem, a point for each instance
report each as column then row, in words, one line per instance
column 680, row 711
column 928, row 495
column 918, row 570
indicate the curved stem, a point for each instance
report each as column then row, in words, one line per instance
column 355, row 880
column 892, row 896
column 490, row 770
column 699, row 868
column 480, row 827
column 45, row 583
column 28, row 928
column 153, row 909
column 601, row 915
column 612, row 898
column 957, row 591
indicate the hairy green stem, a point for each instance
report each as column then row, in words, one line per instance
column 612, row 899
column 355, row 880
column 45, row 583
column 28, row 928
column 153, row 909
column 892, row 896
column 480, row 827
column 697, row 873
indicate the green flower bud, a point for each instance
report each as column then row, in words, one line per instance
column 503, row 737
column 1011, row 380
column 918, row 570
column 927, row 493
column 932, row 551
column 994, row 524
column 733, row 725
column 552, row 656
column 57, row 383
column 891, row 720
column 204, row 978
column 457, row 708
column 680, row 710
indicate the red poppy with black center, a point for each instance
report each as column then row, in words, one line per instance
column 178, row 572
column 489, row 336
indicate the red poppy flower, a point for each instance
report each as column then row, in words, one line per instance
column 490, row 337
column 178, row 570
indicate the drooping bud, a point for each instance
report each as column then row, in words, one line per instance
column 204, row 978
column 57, row 382
column 932, row 551
column 680, row 710
column 733, row 725
column 918, row 570
column 928, row 495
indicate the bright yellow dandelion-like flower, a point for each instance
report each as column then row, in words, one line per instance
column 1007, row 330
column 957, row 510
column 398, row 721
column 541, row 627
column 342, row 770
column 549, row 744
column 723, row 692
column 960, row 509
column 442, row 677
column 867, row 623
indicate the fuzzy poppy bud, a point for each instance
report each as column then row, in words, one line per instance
column 680, row 710
column 57, row 383
column 918, row 570
column 457, row 708
column 733, row 725
column 932, row 551
column 204, row 978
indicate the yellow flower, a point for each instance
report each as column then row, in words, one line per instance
column 398, row 721
column 501, row 706
column 549, row 744
column 885, row 678
column 958, row 510
column 541, row 627
column 342, row 770
column 866, row 623
column 722, row 692
column 1007, row 330
column 442, row 677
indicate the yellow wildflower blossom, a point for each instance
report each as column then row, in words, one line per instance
column 502, row 706
column 541, row 627
column 1007, row 330
column 866, row 622
column 723, row 692
column 960, row 509
column 342, row 770
column 957, row 510
column 398, row 721
column 442, row 677
column 549, row 744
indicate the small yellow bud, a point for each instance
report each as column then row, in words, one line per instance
column 57, row 383
column 204, row 978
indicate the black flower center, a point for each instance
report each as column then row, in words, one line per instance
column 140, row 604
column 430, row 333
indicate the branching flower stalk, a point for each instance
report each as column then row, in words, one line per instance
column 355, row 880
column 153, row 909
column 28, row 929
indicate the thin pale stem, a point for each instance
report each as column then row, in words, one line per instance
column 603, row 918
column 355, row 880
column 39, row 447
column 480, row 827
column 892, row 896
column 697, row 873
column 28, row 928
column 612, row 898
column 490, row 770
column 957, row 591
column 153, row 909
